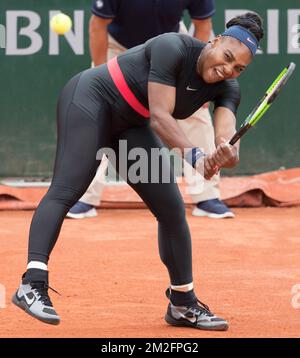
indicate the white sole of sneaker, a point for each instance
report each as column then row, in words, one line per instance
column 89, row 214
column 203, row 213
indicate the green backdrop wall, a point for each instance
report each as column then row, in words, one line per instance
column 33, row 71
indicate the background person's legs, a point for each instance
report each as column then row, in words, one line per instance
column 92, row 197
column 204, row 193
column 94, row 192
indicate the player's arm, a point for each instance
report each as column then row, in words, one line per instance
column 166, row 54
column 98, row 38
column 161, row 105
column 203, row 29
column 201, row 13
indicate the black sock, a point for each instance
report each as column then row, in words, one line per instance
column 183, row 298
column 35, row 275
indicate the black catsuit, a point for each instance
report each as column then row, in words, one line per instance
column 92, row 114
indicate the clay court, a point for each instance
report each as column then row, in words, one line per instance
column 112, row 282
column 107, row 269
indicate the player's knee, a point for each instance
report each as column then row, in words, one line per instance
column 172, row 214
column 66, row 195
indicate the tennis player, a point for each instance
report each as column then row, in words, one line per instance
column 136, row 97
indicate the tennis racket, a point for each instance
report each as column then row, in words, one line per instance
column 264, row 104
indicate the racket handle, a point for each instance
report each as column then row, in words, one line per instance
column 239, row 133
column 234, row 139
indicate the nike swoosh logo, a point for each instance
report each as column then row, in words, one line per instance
column 28, row 300
column 249, row 40
column 191, row 319
column 188, row 88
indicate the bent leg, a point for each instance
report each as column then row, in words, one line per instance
column 79, row 138
column 165, row 202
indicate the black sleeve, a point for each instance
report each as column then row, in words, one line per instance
column 229, row 95
column 167, row 55
column 106, row 9
column 201, row 9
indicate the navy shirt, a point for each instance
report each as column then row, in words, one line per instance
column 136, row 21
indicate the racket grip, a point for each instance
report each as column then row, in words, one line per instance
column 235, row 138
column 239, row 133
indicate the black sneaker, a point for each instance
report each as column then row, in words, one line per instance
column 196, row 315
column 33, row 298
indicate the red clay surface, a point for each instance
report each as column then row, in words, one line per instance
column 112, row 281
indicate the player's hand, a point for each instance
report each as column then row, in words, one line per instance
column 206, row 166
column 210, row 167
column 225, row 156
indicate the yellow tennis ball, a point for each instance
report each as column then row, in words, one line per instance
column 61, row 23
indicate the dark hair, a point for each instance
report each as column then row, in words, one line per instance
column 250, row 21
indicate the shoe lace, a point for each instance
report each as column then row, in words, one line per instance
column 196, row 308
column 42, row 290
column 199, row 308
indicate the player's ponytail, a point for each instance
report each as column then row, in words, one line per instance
column 250, row 21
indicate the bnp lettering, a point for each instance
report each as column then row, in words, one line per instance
column 25, row 26
column 34, row 35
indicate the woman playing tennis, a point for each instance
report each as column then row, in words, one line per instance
column 138, row 97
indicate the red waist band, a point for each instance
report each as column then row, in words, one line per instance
column 120, row 82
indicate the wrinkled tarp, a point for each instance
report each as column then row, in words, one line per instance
column 278, row 188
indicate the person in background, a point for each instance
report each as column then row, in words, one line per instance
column 117, row 25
